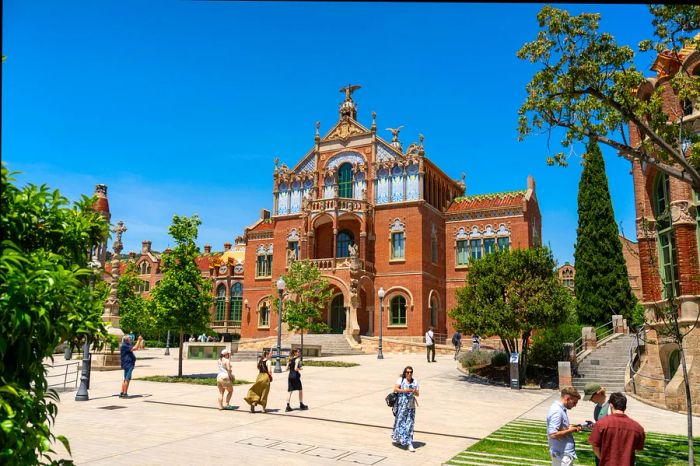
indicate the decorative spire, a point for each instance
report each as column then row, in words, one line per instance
column 421, row 149
column 117, row 246
column 374, row 122
column 348, row 109
column 395, row 137
column 317, row 138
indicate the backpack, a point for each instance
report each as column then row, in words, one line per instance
column 391, row 399
column 454, row 340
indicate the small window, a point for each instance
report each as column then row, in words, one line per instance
column 143, row 286
column 398, row 245
column 398, row 311
column 434, row 249
column 475, row 246
column 489, row 245
column 343, row 241
column 264, row 316
column 236, row 302
column 145, row 268
column 504, row 243
column 264, row 266
column 462, row 252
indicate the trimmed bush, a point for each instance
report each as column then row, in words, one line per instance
column 500, row 359
column 155, row 344
column 472, row 359
column 548, row 344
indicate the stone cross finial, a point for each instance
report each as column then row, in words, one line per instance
column 117, row 246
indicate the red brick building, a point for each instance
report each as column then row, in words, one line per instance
column 370, row 215
column 667, row 230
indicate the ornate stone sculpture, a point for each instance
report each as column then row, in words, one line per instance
column 348, row 90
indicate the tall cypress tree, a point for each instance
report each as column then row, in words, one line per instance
column 601, row 282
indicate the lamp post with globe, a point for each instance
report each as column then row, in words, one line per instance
column 381, row 294
column 280, row 287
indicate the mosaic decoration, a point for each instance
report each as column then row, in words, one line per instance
column 461, row 234
column 283, row 200
column 396, row 226
column 308, row 188
column 328, row 188
column 475, row 233
column 382, row 196
column 293, row 235
column 412, row 185
column 360, row 185
column 397, row 179
column 489, row 231
column 295, row 204
column 308, row 165
column 339, row 159
column 384, row 153
column 502, row 230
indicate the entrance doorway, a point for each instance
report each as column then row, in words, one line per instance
column 337, row 315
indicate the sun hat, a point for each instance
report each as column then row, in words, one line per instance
column 590, row 389
column 225, row 351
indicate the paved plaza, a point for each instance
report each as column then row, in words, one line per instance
column 348, row 421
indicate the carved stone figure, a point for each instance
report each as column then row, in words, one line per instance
column 349, row 89
column 353, row 250
column 395, row 133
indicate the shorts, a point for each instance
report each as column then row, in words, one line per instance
column 127, row 373
column 563, row 460
column 224, row 382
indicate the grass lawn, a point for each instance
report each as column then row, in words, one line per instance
column 524, row 442
column 311, row 362
column 188, row 379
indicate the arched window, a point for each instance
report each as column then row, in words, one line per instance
column 674, row 360
column 397, row 311
column 666, row 238
column 345, row 180
column 220, row 302
column 337, row 314
column 343, row 241
column 264, row 316
column 145, row 268
column 236, row 302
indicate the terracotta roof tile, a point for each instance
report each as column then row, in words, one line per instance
column 487, row 201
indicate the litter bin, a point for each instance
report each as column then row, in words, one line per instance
column 515, row 371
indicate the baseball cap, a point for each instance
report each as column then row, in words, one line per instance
column 590, row 389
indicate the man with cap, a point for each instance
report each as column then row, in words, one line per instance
column 595, row 393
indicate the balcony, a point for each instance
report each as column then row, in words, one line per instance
column 223, row 326
column 338, row 204
column 339, row 263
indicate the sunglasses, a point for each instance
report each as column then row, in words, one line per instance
column 409, row 372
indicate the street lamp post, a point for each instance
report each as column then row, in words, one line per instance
column 167, row 345
column 381, row 294
column 82, row 394
column 280, row 288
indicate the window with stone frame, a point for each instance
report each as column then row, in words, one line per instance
column 397, row 310
column 263, row 266
column 264, row 315
column 462, row 252
column 503, row 243
column 220, row 302
column 666, row 242
column 145, row 268
column 475, row 248
column 143, row 286
column 489, row 245
column 345, row 181
column 398, row 240
column 236, row 302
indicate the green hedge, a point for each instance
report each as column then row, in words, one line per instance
column 475, row 359
column 548, row 344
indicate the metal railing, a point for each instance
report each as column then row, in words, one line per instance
column 601, row 332
column 635, row 357
column 69, row 373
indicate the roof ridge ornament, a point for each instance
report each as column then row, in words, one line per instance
column 348, row 109
column 396, row 144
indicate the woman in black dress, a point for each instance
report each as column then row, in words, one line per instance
column 294, row 380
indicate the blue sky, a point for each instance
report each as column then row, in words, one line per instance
column 180, row 107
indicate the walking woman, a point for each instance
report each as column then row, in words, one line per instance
column 294, row 380
column 407, row 389
column 225, row 378
column 257, row 395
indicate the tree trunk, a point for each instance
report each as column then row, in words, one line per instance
column 179, row 358
column 525, row 345
column 689, row 407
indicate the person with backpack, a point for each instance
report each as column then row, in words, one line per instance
column 457, row 342
column 406, row 388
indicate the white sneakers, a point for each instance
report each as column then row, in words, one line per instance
column 410, row 448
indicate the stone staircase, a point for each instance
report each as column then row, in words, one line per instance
column 331, row 344
column 606, row 364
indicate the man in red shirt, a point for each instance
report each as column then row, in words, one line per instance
column 616, row 437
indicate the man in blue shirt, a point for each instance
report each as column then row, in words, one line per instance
column 128, row 361
column 562, row 447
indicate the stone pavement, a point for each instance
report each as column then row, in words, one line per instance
column 348, row 421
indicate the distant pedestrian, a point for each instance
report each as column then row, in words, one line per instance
column 407, row 389
column 562, row 447
column 257, row 395
column 225, row 378
column 140, row 344
column 192, row 339
column 476, row 342
column 128, row 361
column 294, row 380
column 457, row 342
column 616, row 437
column 430, row 343
column 202, row 338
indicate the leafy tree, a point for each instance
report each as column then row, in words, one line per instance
column 509, row 294
column 586, row 85
column 45, row 298
column 308, row 294
column 183, row 297
column 136, row 312
column 602, row 285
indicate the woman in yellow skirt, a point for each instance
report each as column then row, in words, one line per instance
column 257, row 395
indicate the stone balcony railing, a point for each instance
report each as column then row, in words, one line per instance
column 226, row 324
column 333, row 263
column 345, row 204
